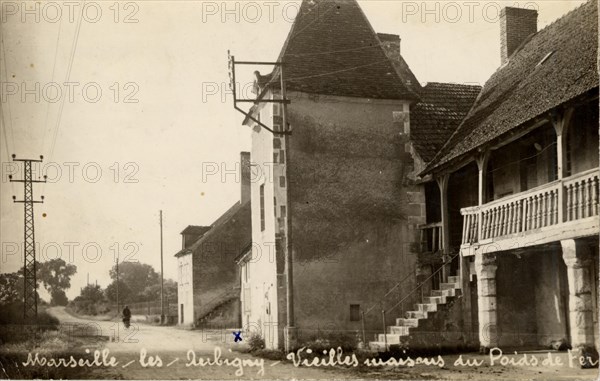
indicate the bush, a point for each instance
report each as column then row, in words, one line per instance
column 256, row 342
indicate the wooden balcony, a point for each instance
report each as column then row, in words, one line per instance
column 562, row 209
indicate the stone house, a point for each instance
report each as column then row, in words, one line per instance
column 208, row 279
column 512, row 197
column 356, row 206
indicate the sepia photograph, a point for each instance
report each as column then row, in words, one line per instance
column 299, row 190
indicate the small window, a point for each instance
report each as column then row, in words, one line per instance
column 282, row 181
column 262, row 207
column 275, row 157
column 355, row 312
column 282, row 157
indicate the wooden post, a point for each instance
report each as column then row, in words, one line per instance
column 482, row 162
column 560, row 121
column 443, row 185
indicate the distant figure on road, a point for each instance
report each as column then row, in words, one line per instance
column 126, row 316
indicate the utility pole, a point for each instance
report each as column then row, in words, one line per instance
column 30, row 298
column 118, row 310
column 290, row 331
column 162, row 278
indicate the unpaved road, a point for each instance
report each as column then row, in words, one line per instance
column 171, row 345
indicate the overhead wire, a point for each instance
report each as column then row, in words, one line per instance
column 67, row 77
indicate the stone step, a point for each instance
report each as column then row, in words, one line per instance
column 399, row 330
column 416, row 315
column 391, row 338
column 446, row 293
column 449, row 286
column 407, row 322
column 378, row 346
column 435, row 299
column 426, row 307
column 454, row 279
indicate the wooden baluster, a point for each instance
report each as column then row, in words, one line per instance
column 541, row 210
column 483, row 225
column 468, row 232
column 465, row 229
column 525, row 214
column 545, row 209
column 578, row 200
column 493, row 223
column 519, row 216
column 509, row 220
column 488, row 223
column 497, row 223
column 555, row 206
column 569, row 202
column 595, row 196
column 534, row 214
column 588, row 197
column 500, row 220
column 504, row 219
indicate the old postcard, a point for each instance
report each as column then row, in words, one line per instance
column 299, row 189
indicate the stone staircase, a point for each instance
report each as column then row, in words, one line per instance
column 417, row 323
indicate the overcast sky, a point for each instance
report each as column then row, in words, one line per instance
column 139, row 146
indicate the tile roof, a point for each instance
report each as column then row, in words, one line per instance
column 332, row 49
column 234, row 227
column 433, row 120
column 195, row 230
column 532, row 82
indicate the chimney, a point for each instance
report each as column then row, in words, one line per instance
column 516, row 24
column 245, row 176
column 391, row 45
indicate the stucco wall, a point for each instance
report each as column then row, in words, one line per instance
column 185, row 290
column 355, row 213
column 354, row 219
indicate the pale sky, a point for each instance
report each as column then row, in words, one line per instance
column 172, row 61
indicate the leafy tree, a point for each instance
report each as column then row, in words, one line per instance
column 90, row 301
column 59, row 298
column 124, row 292
column 137, row 277
column 55, row 275
column 170, row 291
column 11, row 288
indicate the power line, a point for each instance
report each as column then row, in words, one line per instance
column 336, row 71
column 12, row 134
column 53, row 72
column 68, row 75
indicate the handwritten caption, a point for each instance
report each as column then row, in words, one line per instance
column 304, row 357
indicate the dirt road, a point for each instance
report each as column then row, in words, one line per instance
column 153, row 352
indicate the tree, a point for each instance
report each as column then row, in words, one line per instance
column 124, row 292
column 11, row 288
column 90, row 300
column 137, row 277
column 170, row 291
column 55, row 275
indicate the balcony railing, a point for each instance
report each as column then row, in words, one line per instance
column 566, row 200
column 431, row 237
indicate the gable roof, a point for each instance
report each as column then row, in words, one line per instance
column 332, row 49
column 433, row 120
column 195, row 230
column 554, row 66
column 233, row 228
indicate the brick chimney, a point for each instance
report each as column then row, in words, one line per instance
column 245, row 176
column 516, row 24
